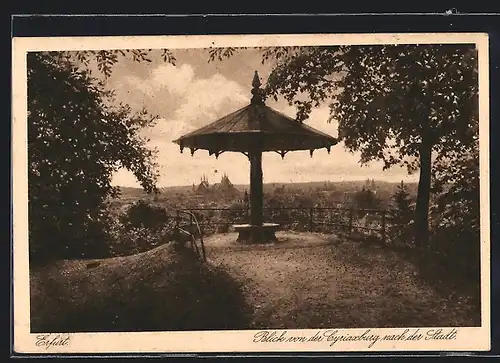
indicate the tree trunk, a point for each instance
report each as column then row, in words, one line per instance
column 423, row 197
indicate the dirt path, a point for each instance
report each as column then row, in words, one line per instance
column 316, row 281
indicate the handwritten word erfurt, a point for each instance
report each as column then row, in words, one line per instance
column 52, row 340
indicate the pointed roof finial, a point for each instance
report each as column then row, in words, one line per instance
column 256, row 80
column 256, row 91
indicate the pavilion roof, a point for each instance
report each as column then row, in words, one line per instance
column 256, row 125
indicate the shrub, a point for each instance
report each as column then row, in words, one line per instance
column 142, row 215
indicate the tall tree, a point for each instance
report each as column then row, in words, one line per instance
column 402, row 215
column 366, row 199
column 401, row 104
column 78, row 135
column 402, row 200
column 419, row 98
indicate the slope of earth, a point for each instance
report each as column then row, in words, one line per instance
column 166, row 288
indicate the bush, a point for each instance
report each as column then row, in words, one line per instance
column 459, row 247
column 136, row 240
column 142, row 227
column 60, row 239
column 142, row 215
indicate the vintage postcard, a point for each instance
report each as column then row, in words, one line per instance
column 251, row 193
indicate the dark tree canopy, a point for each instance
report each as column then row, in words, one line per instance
column 77, row 137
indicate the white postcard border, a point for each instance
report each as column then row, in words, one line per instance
column 467, row 338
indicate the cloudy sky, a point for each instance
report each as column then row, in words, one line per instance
column 194, row 93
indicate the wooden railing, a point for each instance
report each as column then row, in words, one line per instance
column 347, row 221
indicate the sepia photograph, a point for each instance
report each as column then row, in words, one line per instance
column 257, row 185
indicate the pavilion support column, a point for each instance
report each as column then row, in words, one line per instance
column 256, row 193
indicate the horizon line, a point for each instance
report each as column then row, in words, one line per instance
column 267, row 183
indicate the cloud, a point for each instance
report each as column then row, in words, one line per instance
column 159, row 90
column 209, row 99
column 166, row 130
column 165, row 77
column 177, row 80
column 203, row 100
column 133, row 91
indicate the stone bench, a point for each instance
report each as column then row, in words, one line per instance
column 256, row 234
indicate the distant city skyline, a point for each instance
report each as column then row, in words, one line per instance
column 246, row 185
column 194, row 93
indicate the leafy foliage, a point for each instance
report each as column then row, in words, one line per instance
column 456, row 210
column 402, row 202
column 306, row 77
column 402, row 214
column 268, row 53
column 221, row 53
column 395, row 99
column 77, row 138
column 106, row 59
column 366, row 199
column 143, row 214
column 456, row 184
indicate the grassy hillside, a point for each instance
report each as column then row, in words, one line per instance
column 161, row 289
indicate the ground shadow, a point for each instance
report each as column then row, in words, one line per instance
column 184, row 294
